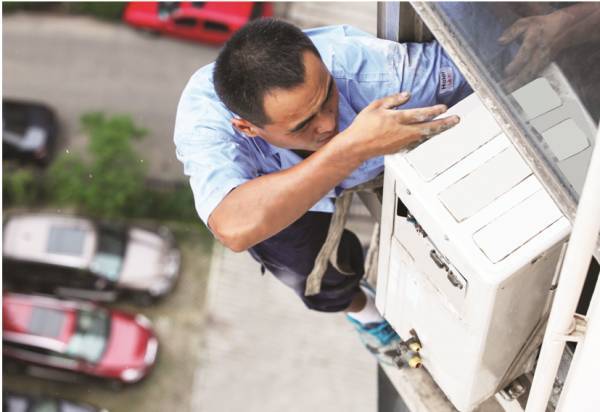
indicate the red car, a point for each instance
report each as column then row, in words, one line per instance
column 209, row 22
column 77, row 337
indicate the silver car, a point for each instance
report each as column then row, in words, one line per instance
column 78, row 257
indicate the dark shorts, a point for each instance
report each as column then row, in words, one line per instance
column 290, row 256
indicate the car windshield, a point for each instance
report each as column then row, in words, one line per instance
column 108, row 258
column 91, row 335
column 165, row 8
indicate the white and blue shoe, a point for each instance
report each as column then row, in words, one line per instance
column 380, row 339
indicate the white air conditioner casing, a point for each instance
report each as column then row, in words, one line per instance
column 471, row 271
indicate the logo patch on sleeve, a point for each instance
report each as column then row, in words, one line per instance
column 446, row 80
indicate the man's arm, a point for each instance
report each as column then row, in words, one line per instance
column 262, row 207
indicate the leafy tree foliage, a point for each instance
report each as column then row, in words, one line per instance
column 110, row 11
column 113, row 181
column 109, row 182
column 19, row 187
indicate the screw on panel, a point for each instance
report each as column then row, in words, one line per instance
column 513, row 390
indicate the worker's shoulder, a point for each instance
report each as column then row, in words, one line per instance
column 341, row 36
column 336, row 31
column 354, row 54
column 201, row 83
column 200, row 109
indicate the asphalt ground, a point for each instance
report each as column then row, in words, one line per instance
column 79, row 64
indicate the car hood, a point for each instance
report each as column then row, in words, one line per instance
column 127, row 344
column 144, row 259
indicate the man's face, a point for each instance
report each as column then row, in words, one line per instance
column 305, row 117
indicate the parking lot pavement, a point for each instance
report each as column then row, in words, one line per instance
column 265, row 352
column 179, row 323
column 78, row 64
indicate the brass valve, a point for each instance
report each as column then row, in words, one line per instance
column 415, row 361
column 414, row 346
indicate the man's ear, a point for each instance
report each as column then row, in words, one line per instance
column 245, row 127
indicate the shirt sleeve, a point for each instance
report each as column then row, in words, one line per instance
column 216, row 165
column 431, row 76
column 215, row 158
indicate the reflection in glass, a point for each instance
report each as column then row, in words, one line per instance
column 542, row 61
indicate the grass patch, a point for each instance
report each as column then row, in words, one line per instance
column 108, row 11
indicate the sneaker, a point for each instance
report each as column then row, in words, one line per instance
column 380, row 339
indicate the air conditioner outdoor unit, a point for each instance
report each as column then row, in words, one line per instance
column 470, row 240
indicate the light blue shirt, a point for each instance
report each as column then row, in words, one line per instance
column 218, row 158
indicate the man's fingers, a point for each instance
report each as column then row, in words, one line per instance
column 421, row 115
column 392, row 101
column 526, row 75
column 513, row 32
column 434, row 127
column 522, row 58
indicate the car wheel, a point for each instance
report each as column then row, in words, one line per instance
column 100, row 284
column 12, row 366
column 116, row 385
column 144, row 298
column 149, row 32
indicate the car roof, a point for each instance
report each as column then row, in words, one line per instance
column 50, row 238
column 38, row 321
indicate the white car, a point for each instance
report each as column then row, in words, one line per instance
column 82, row 258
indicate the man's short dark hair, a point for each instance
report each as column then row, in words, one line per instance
column 265, row 54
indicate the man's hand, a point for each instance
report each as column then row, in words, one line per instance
column 379, row 129
column 545, row 36
column 538, row 48
column 263, row 206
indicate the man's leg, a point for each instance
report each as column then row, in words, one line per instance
column 290, row 256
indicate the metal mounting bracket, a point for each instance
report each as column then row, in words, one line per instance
column 576, row 331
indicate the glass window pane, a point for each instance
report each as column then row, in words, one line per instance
column 46, row 322
column 66, row 241
column 540, row 60
column 15, row 403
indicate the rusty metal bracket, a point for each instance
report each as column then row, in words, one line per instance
column 576, row 330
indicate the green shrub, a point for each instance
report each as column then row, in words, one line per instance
column 111, row 11
column 112, row 184
column 174, row 203
column 113, row 181
column 14, row 6
column 19, row 187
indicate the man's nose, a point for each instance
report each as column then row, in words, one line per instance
column 325, row 122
